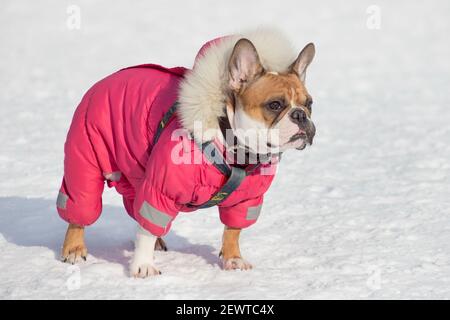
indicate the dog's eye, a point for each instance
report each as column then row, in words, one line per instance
column 308, row 104
column 275, row 105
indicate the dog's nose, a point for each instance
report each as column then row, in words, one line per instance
column 298, row 116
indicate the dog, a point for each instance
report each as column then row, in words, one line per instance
column 245, row 97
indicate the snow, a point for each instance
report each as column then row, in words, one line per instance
column 364, row 213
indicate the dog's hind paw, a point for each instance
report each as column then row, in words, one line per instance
column 160, row 245
column 236, row 264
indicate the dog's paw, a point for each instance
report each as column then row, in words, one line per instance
column 160, row 245
column 236, row 264
column 74, row 255
column 143, row 267
column 143, row 270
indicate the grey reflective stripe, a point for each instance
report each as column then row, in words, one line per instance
column 61, row 201
column 154, row 215
column 253, row 212
column 113, row 176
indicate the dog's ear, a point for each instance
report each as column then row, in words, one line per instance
column 303, row 60
column 244, row 64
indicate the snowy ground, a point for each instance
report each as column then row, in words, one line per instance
column 364, row 213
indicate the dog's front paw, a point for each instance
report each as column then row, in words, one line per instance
column 74, row 254
column 236, row 264
column 143, row 268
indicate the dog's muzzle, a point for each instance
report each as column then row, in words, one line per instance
column 307, row 133
column 307, row 130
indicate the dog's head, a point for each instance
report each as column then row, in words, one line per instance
column 268, row 111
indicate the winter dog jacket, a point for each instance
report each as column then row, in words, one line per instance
column 111, row 139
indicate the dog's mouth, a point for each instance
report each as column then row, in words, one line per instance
column 301, row 135
column 297, row 136
column 295, row 140
column 302, row 146
column 306, row 136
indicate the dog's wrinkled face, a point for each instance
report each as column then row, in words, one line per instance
column 269, row 112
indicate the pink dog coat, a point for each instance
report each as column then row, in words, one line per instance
column 111, row 139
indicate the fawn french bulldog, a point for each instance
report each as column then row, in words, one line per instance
column 147, row 131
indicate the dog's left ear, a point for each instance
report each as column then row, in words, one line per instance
column 244, row 65
column 303, row 60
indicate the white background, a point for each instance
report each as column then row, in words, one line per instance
column 363, row 213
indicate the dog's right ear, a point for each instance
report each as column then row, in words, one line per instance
column 244, row 65
column 303, row 60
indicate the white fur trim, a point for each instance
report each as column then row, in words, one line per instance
column 203, row 91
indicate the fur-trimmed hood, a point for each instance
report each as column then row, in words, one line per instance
column 202, row 92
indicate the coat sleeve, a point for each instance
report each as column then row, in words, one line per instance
column 243, row 214
column 166, row 187
column 154, row 210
